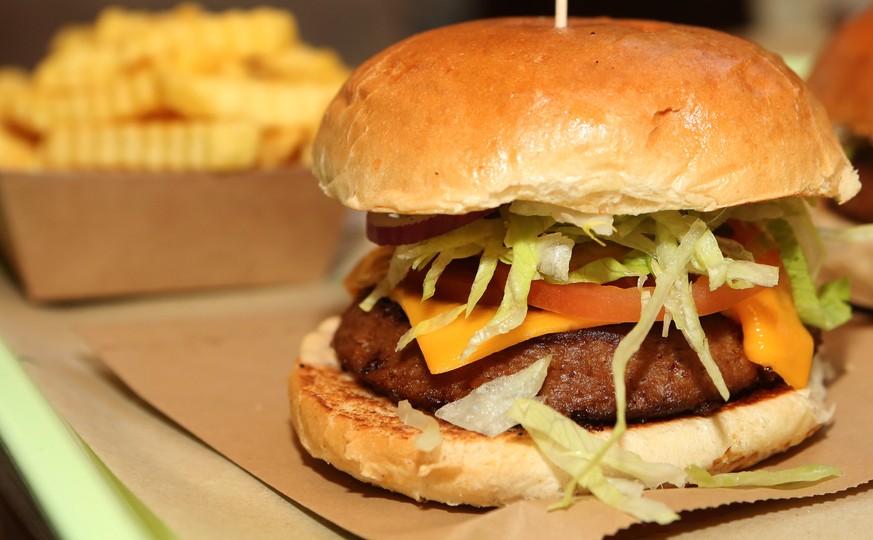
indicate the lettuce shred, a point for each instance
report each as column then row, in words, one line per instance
column 430, row 437
column 521, row 237
column 609, row 269
column 804, row 474
column 429, row 325
column 586, row 459
column 484, row 409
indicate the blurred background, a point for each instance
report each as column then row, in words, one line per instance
column 359, row 28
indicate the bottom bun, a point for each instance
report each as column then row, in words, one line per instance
column 358, row 432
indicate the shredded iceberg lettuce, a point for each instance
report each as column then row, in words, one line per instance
column 491, row 253
column 669, row 267
column 805, row 233
column 803, row 474
column 608, row 269
column 586, row 458
column 440, row 263
column 521, row 237
column 398, row 267
column 554, row 251
column 679, row 301
column 484, row 409
column 591, row 224
column 429, row 325
column 430, row 437
column 745, row 274
column 465, row 241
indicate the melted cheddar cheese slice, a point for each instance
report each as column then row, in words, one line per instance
column 442, row 348
column 773, row 335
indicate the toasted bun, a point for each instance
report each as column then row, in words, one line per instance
column 358, row 432
column 843, row 75
column 605, row 116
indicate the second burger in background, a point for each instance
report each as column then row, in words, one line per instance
column 842, row 78
column 608, row 217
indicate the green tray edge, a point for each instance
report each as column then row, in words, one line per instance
column 79, row 496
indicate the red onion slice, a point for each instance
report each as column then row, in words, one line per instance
column 394, row 230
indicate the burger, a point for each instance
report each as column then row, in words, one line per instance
column 594, row 263
column 842, row 79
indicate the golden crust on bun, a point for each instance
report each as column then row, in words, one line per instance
column 605, row 116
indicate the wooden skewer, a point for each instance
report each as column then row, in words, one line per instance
column 560, row 13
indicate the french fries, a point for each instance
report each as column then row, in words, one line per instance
column 17, row 152
column 265, row 103
column 118, row 100
column 181, row 90
column 155, row 146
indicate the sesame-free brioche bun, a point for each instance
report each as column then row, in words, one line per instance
column 842, row 77
column 342, row 423
column 604, row 116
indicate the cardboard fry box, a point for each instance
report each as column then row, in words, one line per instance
column 70, row 236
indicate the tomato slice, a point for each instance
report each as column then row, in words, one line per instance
column 614, row 304
column 590, row 301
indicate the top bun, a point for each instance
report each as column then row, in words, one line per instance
column 843, row 76
column 604, row 116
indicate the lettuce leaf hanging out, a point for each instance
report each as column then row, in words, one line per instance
column 584, row 457
column 825, row 308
